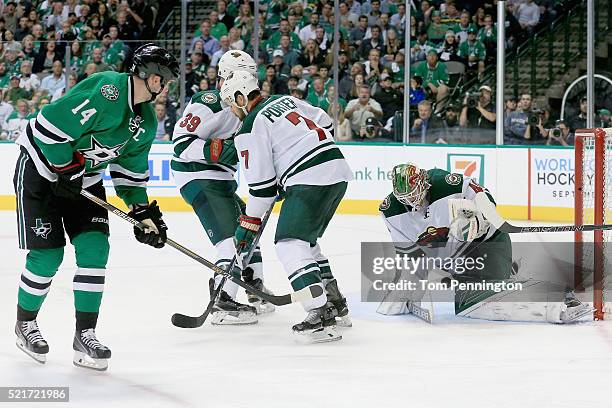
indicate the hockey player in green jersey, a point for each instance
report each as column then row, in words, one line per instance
column 203, row 166
column 106, row 121
column 432, row 213
column 286, row 144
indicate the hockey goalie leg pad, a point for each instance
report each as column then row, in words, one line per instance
column 301, row 268
column 538, row 301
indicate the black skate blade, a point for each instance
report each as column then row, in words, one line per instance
column 186, row 322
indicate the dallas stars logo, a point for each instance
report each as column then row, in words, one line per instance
column 42, row 229
column 98, row 153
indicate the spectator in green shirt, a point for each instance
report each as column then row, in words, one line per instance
column 217, row 28
column 283, row 29
column 15, row 92
column 435, row 77
column 462, row 28
column 4, row 77
column 473, row 53
column 436, row 30
column 328, row 101
column 317, row 94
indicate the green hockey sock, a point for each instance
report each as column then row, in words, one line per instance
column 91, row 250
column 41, row 266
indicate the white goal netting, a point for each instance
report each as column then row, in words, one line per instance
column 593, row 205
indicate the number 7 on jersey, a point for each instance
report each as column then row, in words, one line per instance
column 295, row 117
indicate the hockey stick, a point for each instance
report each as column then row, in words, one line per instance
column 184, row 321
column 307, row 293
column 487, row 208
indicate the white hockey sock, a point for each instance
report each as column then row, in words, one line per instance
column 301, row 268
column 225, row 253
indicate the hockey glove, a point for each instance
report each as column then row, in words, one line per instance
column 245, row 235
column 70, row 178
column 220, row 151
column 154, row 233
column 467, row 223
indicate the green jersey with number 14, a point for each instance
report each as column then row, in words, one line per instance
column 97, row 118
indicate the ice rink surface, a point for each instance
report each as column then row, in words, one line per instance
column 381, row 362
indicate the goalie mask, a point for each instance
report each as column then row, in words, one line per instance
column 238, row 82
column 410, row 185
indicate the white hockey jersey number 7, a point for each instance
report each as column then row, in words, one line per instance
column 285, row 141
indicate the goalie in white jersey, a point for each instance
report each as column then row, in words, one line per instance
column 285, row 143
column 431, row 213
column 203, row 166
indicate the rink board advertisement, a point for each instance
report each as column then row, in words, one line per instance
column 527, row 183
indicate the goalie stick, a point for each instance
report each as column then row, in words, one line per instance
column 190, row 322
column 307, row 293
column 487, row 208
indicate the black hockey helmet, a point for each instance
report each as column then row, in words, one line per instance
column 150, row 59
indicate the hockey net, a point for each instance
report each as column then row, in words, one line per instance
column 593, row 205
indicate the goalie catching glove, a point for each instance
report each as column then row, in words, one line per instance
column 70, row 178
column 245, row 234
column 467, row 223
column 154, row 233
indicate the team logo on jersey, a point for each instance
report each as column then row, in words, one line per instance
column 41, row 229
column 209, row 98
column 98, row 153
column 453, row 179
column 110, row 92
column 385, row 204
column 134, row 124
column 433, row 237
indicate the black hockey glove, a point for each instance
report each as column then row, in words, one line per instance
column 70, row 178
column 155, row 232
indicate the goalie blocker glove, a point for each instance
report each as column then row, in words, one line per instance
column 70, row 178
column 154, row 233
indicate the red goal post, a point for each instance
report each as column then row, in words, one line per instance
column 593, row 205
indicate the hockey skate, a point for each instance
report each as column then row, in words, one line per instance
column 30, row 341
column 317, row 327
column 338, row 303
column 89, row 352
column 226, row 311
column 574, row 309
column 261, row 306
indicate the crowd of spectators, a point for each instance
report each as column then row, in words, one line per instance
column 39, row 38
column 295, row 57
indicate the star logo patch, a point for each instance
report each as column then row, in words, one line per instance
column 41, row 229
column 98, row 153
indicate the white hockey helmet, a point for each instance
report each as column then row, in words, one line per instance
column 238, row 81
column 236, row 60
